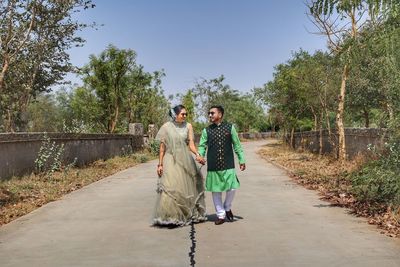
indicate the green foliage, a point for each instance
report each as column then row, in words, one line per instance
column 305, row 124
column 243, row 110
column 35, row 37
column 126, row 151
column 246, row 114
column 106, row 81
column 374, row 7
column 116, row 86
column 154, row 147
column 188, row 101
column 116, row 92
column 146, row 102
column 374, row 80
column 199, row 126
column 49, row 158
column 379, row 181
column 302, row 93
column 141, row 158
column 43, row 115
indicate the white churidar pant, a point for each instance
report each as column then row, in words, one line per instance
column 220, row 207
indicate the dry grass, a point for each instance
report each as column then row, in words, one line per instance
column 21, row 195
column 332, row 180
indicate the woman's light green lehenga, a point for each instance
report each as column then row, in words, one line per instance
column 180, row 190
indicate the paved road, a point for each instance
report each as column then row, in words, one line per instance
column 278, row 223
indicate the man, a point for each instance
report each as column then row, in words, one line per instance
column 220, row 139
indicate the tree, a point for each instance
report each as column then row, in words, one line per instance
column 145, row 102
column 300, row 96
column 107, row 76
column 317, row 80
column 188, row 101
column 247, row 115
column 243, row 110
column 286, row 95
column 43, row 114
column 87, row 112
column 374, row 80
column 364, row 94
column 35, row 36
column 116, row 92
column 213, row 92
column 340, row 21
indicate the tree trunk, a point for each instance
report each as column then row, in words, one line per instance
column 390, row 111
column 6, row 64
column 315, row 119
column 114, row 120
column 9, row 121
column 340, row 115
column 315, row 122
column 292, row 138
column 366, row 117
column 24, row 101
column 321, row 143
column 328, row 123
column 329, row 128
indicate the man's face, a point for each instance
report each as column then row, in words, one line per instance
column 214, row 115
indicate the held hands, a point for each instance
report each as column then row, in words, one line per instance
column 242, row 167
column 200, row 159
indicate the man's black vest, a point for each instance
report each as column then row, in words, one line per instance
column 219, row 147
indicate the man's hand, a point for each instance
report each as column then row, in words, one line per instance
column 242, row 167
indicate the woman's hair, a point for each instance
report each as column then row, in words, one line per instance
column 175, row 111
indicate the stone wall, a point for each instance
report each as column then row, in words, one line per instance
column 357, row 140
column 244, row 136
column 18, row 151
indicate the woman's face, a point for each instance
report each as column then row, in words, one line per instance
column 181, row 117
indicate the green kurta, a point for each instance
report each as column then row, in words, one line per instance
column 224, row 180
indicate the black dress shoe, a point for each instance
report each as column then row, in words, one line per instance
column 229, row 215
column 219, row 221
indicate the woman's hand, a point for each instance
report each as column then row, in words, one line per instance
column 200, row 160
column 160, row 170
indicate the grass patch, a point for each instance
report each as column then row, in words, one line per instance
column 21, row 195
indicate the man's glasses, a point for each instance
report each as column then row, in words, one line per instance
column 211, row 113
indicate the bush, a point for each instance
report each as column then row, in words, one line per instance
column 140, row 158
column 49, row 156
column 126, row 151
column 379, row 180
column 154, row 147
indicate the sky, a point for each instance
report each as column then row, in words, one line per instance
column 240, row 39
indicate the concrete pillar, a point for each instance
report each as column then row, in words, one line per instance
column 136, row 128
column 152, row 132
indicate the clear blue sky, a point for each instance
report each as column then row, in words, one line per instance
column 241, row 39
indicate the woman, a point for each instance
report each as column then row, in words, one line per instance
column 180, row 188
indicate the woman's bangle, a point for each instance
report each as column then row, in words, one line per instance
column 197, row 154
